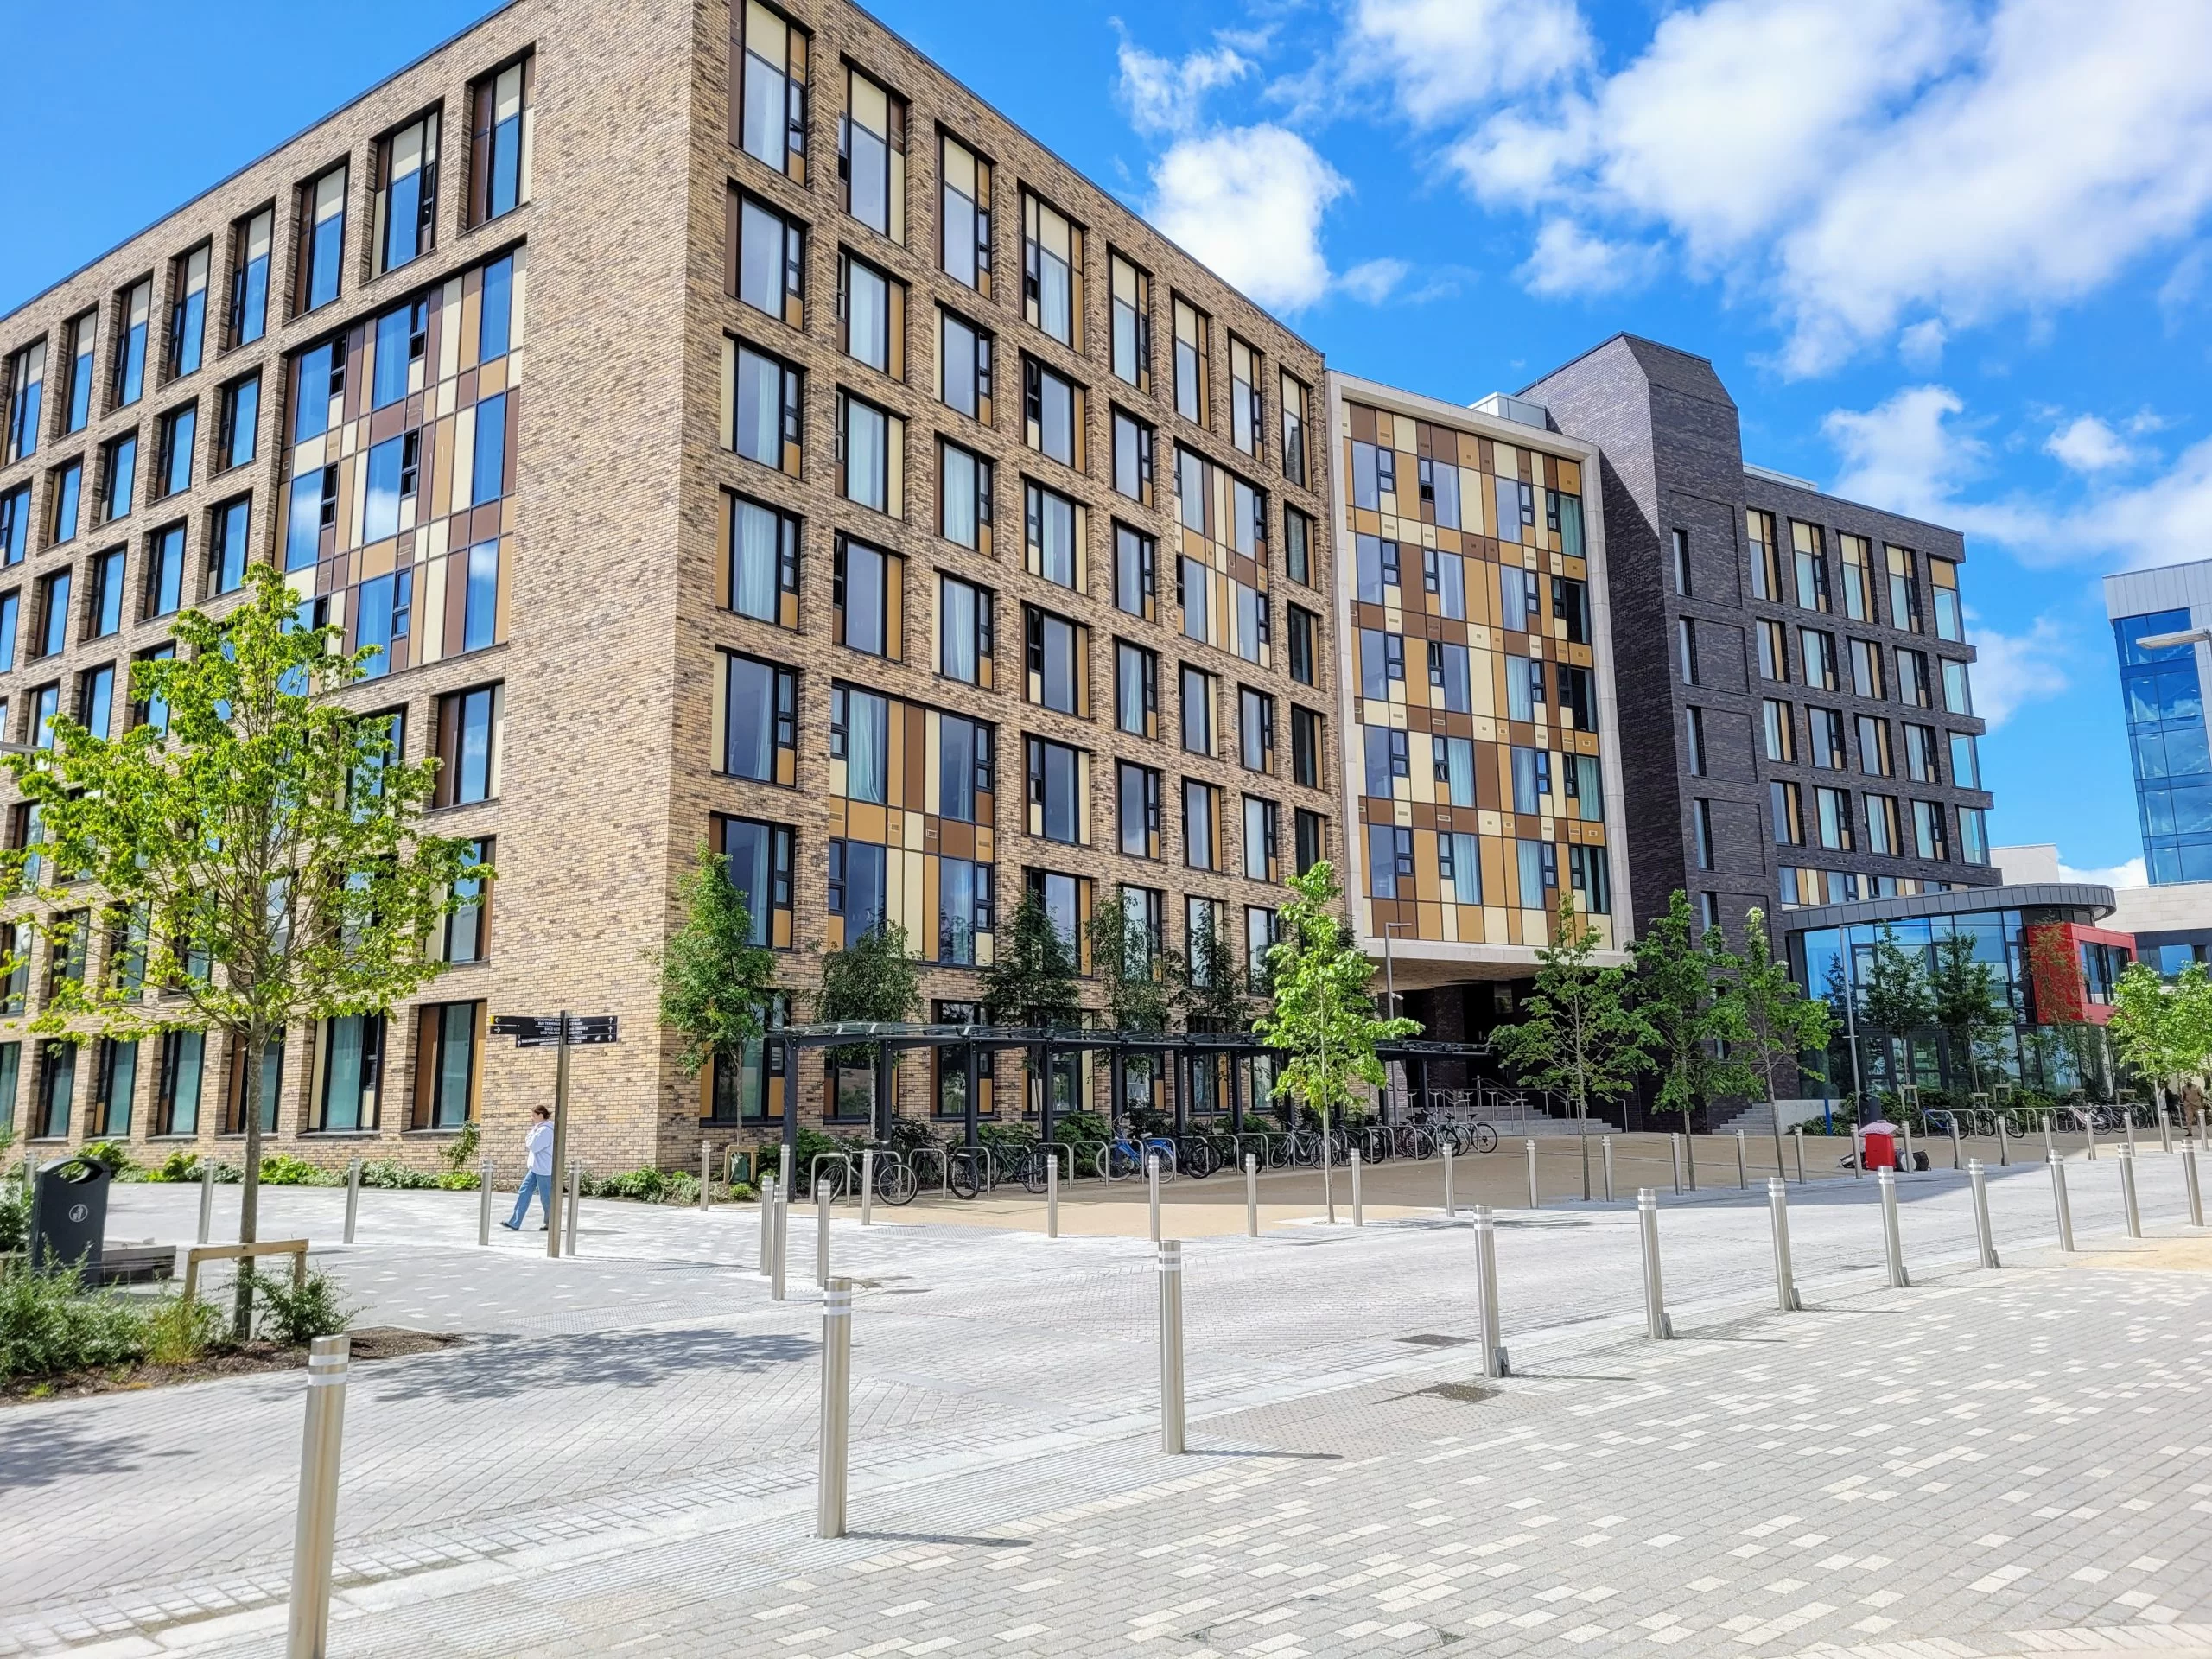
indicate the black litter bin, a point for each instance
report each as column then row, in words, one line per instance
column 69, row 1216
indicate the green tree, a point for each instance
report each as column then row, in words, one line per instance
column 1896, row 1000
column 872, row 981
column 1322, row 1018
column 1581, row 1034
column 1030, row 981
column 717, row 985
column 2163, row 1029
column 1776, row 1021
column 1135, row 975
column 254, row 851
column 1684, row 991
column 1213, row 995
column 1963, row 1000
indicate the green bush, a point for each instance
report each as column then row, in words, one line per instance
column 15, row 1216
column 49, row 1325
column 295, row 1315
column 458, row 1180
column 1007, row 1137
column 461, row 1154
column 1082, row 1126
column 180, row 1331
column 113, row 1156
column 387, row 1174
column 282, row 1169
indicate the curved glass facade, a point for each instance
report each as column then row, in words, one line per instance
column 2166, row 743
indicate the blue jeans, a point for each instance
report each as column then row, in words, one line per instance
column 541, row 1185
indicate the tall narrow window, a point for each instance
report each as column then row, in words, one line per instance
column 1136, row 580
column 251, row 240
column 1693, row 753
column 871, row 154
column 407, row 193
column 1051, row 271
column 765, row 258
column 470, row 733
column 26, row 392
column 104, row 612
column 1683, row 585
column 1133, row 442
column 763, row 561
column 1246, row 421
column 165, row 572
column 1059, row 659
column 188, row 311
column 964, row 366
column 1943, row 579
column 1306, row 746
column 1701, row 832
column 1196, row 688
column 871, row 446
column 1855, row 558
column 1807, row 548
column 448, row 1048
column 1137, row 810
column 1293, row 436
column 963, row 214
column 320, row 260
column 489, row 473
column 866, row 594
column 64, row 503
column 14, row 524
column 95, row 699
column 1132, row 300
column 1054, row 524
column 964, row 486
column 1686, row 650
column 873, row 309
column 1052, row 408
column 1137, row 689
column 1304, row 649
column 1201, row 825
column 119, row 477
column 500, row 123
column 83, row 369
column 237, row 439
column 1781, row 730
column 1904, row 588
column 1766, row 557
column 963, row 632
column 1193, row 329
column 1255, row 729
column 1297, row 546
column 135, row 316
column 179, row 431
column 758, row 712
column 228, row 528
column 763, row 399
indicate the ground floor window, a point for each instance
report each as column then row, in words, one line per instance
column 349, row 1071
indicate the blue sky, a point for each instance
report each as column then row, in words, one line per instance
column 1949, row 255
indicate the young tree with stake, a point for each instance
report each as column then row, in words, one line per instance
column 1778, row 1022
column 717, row 985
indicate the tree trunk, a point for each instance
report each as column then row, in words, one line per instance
column 255, row 1039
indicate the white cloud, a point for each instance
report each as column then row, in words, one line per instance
column 1374, row 280
column 1163, row 95
column 2016, row 669
column 2085, row 444
column 1448, row 56
column 1569, row 260
column 1248, row 201
column 1921, row 345
column 1905, row 455
column 2129, row 873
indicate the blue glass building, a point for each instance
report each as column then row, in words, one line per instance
column 2164, row 702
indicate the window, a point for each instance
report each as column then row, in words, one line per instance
column 1193, row 346
column 764, row 257
column 1388, row 760
column 1133, row 457
column 1051, row 271
column 1693, row 752
column 468, row 931
column 173, row 466
column 873, row 307
column 963, row 214
column 1913, row 684
column 1524, row 685
column 1054, row 524
column 1686, row 650
column 1832, row 807
column 1973, row 836
column 963, row 364
column 469, row 736
column 54, row 613
column 1260, row 862
column 104, row 615
column 1247, row 418
column 45, row 704
column 872, row 155
column 967, row 780
column 1311, row 836
column 153, row 711
column 406, row 206
column 251, row 239
column 115, row 1077
column 1137, row 807
column 1818, row 651
column 1516, row 512
column 10, row 616
column 1374, row 475
column 226, row 550
column 1305, row 648
column 1883, row 830
column 1773, row 651
column 856, row 886
column 1866, row 679
column 84, row 342
column 871, row 454
column 1701, row 832
column 1201, row 825
column 26, row 389
column 64, row 499
column 394, row 470
column 1443, row 577
column 448, row 1056
column 318, row 390
column 1196, row 687
column 320, row 241
column 95, row 699
column 1966, row 765
column 1920, row 754
column 963, row 632
column 349, row 1071
column 1944, row 580
column 1781, row 732
column 1789, row 816
column 1855, row 556
column 964, row 486
column 1958, row 694
column 237, row 437
column 756, row 717
column 1591, row 878
column 1453, row 760
column 768, row 111
column 762, row 545
column 1577, row 702
column 1766, row 557
column 1928, row 839
column 867, row 599
column 14, row 524
column 137, row 312
column 1293, row 437
column 1052, row 413
column 1873, row 746
column 1059, row 654
column 860, row 735
column 501, row 120
column 118, row 476
column 1683, row 585
column 1298, row 546
column 177, row 1081
column 1305, row 746
column 383, row 609
column 1134, row 578
column 1904, row 588
column 1390, row 860
column 1532, row 778
column 489, row 472
column 1137, row 689
column 1059, row 791
column 1255, row 729
column 1809, row 551
column 963, row 909
column 1132, row 307
column 164, row 592
column 1377, row 568
column 764, row 407
column 1570, row 608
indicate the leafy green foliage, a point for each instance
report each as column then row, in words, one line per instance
column 1579, row 1035
column 2161, row 1028
column 1030, row 981
column 460, row 1156
column 1777, row 1021
column 50, row 1325
column 715, row 983
column 1137, row 980
column 1895, row 995
column 113, row 1156
column 178, row 1332
column 295, row 1314
column 14, row 1217
column 1214, row 997
column 1964, row 1003
column 872, row 981
column 1682, row 991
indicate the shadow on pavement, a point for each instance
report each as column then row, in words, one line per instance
column 501, row 1367
column 45, row 1450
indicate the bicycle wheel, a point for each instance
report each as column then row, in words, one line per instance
column 1197, row 1158
column 1483, row 1138
column 1032, row 1171
column 960, row 1176
column 895, row 1183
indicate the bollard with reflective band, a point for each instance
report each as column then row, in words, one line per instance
column 1605, row 1147
column 1858, row 1155
column 484, row 1203
column 2050, row 1144
column 315, row 1532
column 778, row 1240
column 767, row 1225
column 2127, row 1193
column 1785, row 1280
column 1674, row 1149
column 836, row 1408
column 867, row 1188
column 1252, row 1196
column 1957, row 1148
column 2166, row 1132
column 1151, row 1182
column 1451, row 1199
column 1799, row 1132
column 783, row 1168
column 1985, row 1235
column 1051, row 1198
column 706, row 1177
column 352, row 1197
column 1910, row 1161
column 2189, row 1183
column 2090, row 1124
column 1171, row 1346
column 1358, row 1204
column 206, row 1197
column 1656, row 1323
column 2065, row 1210
column 1494, row 1359
column 821, row 1196
column 1535, row 1202
column 1743, row 1169
column 1893, row 1240
column 2004, row 1142
column 575, row 1209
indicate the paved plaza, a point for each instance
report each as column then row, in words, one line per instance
column 622, row 1459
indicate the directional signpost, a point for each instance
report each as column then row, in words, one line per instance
column 561, row 1032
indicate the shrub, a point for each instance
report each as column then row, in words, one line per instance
column 1082, row 1126
column 1007, row 1137
column 457, row 1180
column 15, row 1216
column 113, row 1156
column 385, row 1172
column 178, row 1166
column 462, row 1152
column 297, row 1314
column 180, row 1331
column 49, row 1325
column 282, row 1169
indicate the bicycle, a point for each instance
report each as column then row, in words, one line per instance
column 1125, row 1155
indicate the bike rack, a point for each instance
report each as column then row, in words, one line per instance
column 943, row 1168
column 814, row 1171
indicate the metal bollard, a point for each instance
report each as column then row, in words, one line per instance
column 2003, row 1143
column 778, row 1240
column 1494, row 1358
column 867, row 1188
column 1358, row 1204
column 2058, row 1199
column 1743, row 1170
column 1674, row 1147
column 1910, row 1161
column 1152, row 1180
column 1797, row 1132
column 1892, row 1239
column 575, row 1208
column 1451, row 1200
column 2189, row 1182
column 1956, row 1148
column 2127, row 1119
column 484, row 1203
column 822, row 1195
column 1171, row 1346
column 2166, row 1132
column 1785, row 1280
column 1605, row 1151
column 1657, row 1325
column 315, row 1531
column 206, row 1197
column 352, row 1196
column 2127, row 1193
column 1252, row 1196
column 706, row 1177
column 1534, row 1203
column 767, row 1194
column 2050, row 1145
column 2090, row 1123
column 1858, row 1155
column 831, row 1462
column 1985, row 1235
column 1051, row 1198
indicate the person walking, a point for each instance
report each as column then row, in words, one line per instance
column 538, row 1145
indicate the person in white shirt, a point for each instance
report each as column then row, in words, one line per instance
column 538, row 1144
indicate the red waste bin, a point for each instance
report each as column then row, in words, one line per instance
column 1879, row 1141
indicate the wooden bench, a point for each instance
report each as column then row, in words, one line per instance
column 294, row 1247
